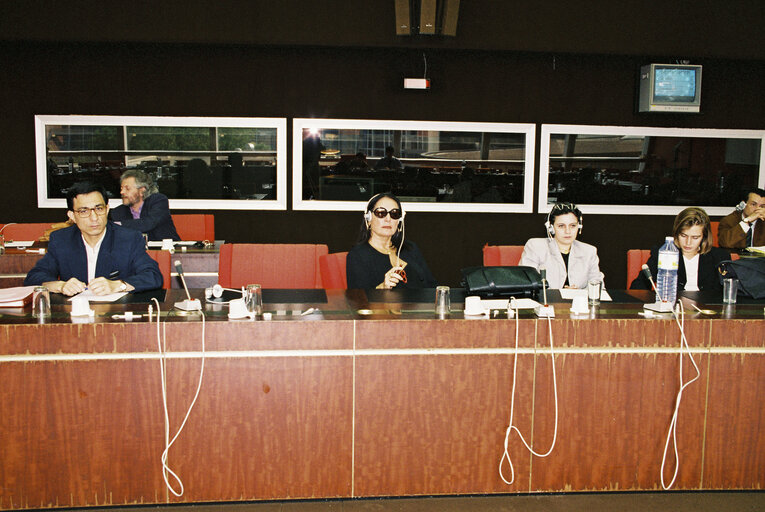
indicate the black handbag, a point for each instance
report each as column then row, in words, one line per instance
column 750, row 273
column 502, row 282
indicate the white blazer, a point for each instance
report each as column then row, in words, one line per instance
column 583, row 262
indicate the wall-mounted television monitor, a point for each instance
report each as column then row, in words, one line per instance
column 670, row 88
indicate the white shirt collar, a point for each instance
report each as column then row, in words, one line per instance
column 92, row 254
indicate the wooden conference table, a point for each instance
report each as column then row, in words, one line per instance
column 372, row 396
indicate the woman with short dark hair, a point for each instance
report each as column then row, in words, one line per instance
column 568, row 262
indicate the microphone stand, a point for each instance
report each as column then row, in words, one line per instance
column 188, row 304
column 661, row 305
column 544, row 311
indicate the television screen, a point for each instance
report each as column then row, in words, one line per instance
column 670, row 88
column 674, row 84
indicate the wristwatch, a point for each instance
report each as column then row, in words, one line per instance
column 123, row 286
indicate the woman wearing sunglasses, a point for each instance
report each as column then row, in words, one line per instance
column 382, row 258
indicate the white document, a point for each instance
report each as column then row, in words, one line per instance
column 92, row 297
column 570, row 293
column 19, row 244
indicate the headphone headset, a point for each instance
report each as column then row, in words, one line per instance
column 565, row 208
column 371, row 203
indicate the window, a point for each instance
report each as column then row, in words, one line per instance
column 432, row 166
column 640, row 170
column 198, row 163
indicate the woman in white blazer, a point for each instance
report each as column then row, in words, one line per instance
column 569, row 262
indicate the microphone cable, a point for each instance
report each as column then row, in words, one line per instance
column 511, row 427
column 162, row 347
column 672, row 431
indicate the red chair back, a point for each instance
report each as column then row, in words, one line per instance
column 502, row 255
column 25, row 231
column 163, row 259
column 635, row 260
column 713, row 227
column 271, row 265
column 195, row 226
column 332, row 268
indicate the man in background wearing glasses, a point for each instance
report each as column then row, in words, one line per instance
column 94, row 253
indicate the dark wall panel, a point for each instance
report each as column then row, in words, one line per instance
column 228, row 80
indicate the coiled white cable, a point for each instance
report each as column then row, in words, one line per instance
column 161, row 345
column 672, row 432
column 511, row 427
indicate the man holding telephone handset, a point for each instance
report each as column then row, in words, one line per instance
column 94, row 253
column 744, row 227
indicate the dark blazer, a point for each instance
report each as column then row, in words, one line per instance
column 365, row 267
column 155, row 219
column 122, row 250
column 709, row 278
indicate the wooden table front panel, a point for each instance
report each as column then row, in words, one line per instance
column 338, row 408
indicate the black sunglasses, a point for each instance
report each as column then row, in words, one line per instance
column 381, row 212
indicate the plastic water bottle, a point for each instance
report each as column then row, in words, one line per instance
column 666, row 278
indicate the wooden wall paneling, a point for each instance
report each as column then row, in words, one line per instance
column 263, row 428
column 614, row 411
column 734, row 455
column 436, row 424
column 80, row 433
column 473, row 333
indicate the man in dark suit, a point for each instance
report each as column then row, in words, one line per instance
column 143, row 208
column 94, row 253
column 744, row 227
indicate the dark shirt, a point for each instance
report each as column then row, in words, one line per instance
column 565, row 264
column 155, row 218
column 122, row 256
column 366, row 267
column 708, row 277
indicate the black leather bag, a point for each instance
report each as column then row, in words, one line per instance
column 750, row 273
column 502, row 282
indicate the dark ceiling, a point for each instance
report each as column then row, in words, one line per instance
column 679, row 29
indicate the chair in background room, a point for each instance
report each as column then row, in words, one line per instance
column 635, row 260
column 713, row 227
column 25, row 231
column 332, row 268
column 195, row 226
column 502, row 255
column 163, row 259
column 271, row 265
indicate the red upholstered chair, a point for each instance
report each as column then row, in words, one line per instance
column 332, row 267
column 271, row 265
column 25, row 231
column 635, row 260
column 502, row 255
column 195, row 226
column 163, row 259
column 713, row 227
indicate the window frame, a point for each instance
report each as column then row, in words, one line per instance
column 627, row 209
column 299, row 124
column 280, row 123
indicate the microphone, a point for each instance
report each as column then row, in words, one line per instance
column 189, row 304
column 647, row 273
column 543, row 274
